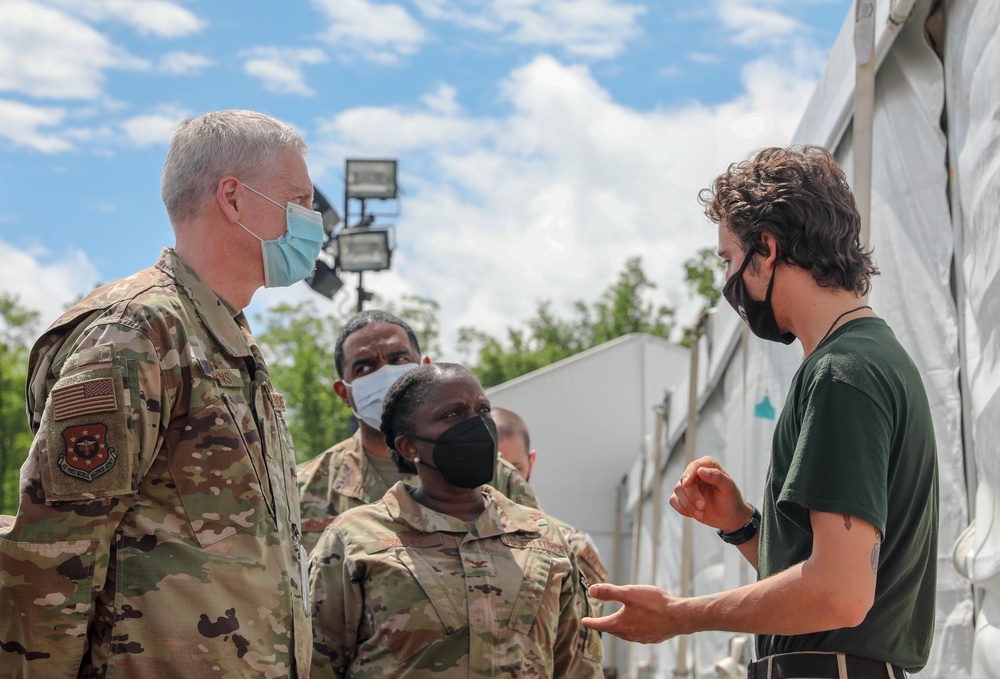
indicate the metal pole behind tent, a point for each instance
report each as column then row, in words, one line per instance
column 690, row 435
column 864, row 111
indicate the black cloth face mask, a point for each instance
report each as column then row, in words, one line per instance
column 466, row 453
column 758, row 315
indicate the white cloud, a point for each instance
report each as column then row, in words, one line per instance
column 183, row 63
column 45, row 281
column 151, row 129
column 280, row 69
column 47, row 53
column 589, row 28
column 380, row 32
column 705, row 57
column 753, row 25
column 22, row 125
column 548, row 201
column 597, row 29
column 149, row 17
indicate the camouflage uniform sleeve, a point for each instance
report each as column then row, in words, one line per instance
column 337, row 601
column 96, row 430
column 578, row 651
column 313, row 480
column 509, row 482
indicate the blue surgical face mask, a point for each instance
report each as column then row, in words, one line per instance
column 369, row 391
column 292, row 257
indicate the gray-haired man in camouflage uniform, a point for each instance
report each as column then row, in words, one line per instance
column 157, row 533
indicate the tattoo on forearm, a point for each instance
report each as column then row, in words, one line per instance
column 876, row 549
column 847, row 521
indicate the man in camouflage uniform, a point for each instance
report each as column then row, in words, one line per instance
column 157, row 533
column 515, row 445
column 359, row 471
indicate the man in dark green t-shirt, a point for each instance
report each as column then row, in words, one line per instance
column 845, row 544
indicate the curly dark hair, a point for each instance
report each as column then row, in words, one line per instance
column 365, row 318
column 404, row 396
column 799, row 195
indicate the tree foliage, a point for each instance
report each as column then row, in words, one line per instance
column 421, row 315
column 623, row 308
column 298, row 343
column 16, row 329
column 703, row 275
column 545, row 339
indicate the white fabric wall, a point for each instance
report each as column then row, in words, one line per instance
column 972, row 55
column 913, row 241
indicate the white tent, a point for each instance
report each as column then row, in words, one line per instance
column 935, row 229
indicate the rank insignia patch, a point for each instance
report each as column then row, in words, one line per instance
column 278, row 401
column 87, row 454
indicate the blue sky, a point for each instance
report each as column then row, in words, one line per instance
column 540, row 142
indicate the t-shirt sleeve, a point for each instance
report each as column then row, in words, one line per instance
column 841, row 459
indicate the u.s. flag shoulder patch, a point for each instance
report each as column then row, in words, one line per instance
column 83, row 398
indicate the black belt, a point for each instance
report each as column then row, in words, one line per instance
column 820, row 666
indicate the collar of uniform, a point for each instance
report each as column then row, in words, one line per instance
column 221, row 319
column 499, row 517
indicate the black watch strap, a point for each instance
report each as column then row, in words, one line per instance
column 738, row 537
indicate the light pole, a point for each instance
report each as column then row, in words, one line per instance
column 359, row 247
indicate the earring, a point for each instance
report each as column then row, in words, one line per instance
column 416, row 459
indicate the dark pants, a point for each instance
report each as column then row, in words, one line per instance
column 815, row 665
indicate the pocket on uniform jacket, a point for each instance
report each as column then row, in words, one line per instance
column 533, row 589
column 412, row 604
column 214, row 475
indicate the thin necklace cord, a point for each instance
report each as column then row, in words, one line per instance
column 832, row 325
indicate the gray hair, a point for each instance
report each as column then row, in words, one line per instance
column 244, row 144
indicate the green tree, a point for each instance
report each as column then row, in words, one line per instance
column 545, row 339
column 298, row 343
column 16, row 330
column 703, row 275
column 621, row 309
column 421, row 315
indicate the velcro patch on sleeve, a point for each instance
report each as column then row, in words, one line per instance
column 88, row 445
column 589, row 556
column 83, row 398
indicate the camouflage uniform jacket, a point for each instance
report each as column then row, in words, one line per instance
column 589, row 560
column 157, row 533
column 400, row 590
column 343, row 478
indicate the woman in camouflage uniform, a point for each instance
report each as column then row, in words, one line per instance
column 448, row 579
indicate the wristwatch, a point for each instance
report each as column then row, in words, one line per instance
column 738, row 537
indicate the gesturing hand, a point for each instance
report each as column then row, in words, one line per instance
column 645, row 616
column 706, row 493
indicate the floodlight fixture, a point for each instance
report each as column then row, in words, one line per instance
column 367, row 179
column 330, row 216
column 363, row 249
column 324, row 279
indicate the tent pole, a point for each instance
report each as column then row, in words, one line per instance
column 690, row 436
column 864, row 111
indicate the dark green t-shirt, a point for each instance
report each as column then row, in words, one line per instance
column 855, row 437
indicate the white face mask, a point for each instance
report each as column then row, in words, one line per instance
column 369, row 391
